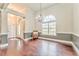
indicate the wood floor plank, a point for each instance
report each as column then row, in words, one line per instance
column 42, row 48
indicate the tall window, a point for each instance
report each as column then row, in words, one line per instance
column 49, row 25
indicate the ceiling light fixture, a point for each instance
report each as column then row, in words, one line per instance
column 40, row 16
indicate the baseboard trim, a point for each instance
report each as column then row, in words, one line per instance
column 64, row 42
column 75, row 48
column 75, row 34
column 3, row 33
column 56, row 40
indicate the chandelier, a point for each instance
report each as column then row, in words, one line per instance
column 40, row 16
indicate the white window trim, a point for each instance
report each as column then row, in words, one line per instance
column 48, row 27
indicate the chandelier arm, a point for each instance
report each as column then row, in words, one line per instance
column 40, row 19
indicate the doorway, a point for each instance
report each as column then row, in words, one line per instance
column 15, row 25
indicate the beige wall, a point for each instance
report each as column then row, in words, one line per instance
column 76, row 19
column 63, row 14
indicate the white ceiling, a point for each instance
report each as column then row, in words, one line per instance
column 25, row 6
column 34, row 6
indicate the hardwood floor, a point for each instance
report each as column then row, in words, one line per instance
column 41, row 48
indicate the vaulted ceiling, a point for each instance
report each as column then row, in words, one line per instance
column 36, row 6
column 33, row 6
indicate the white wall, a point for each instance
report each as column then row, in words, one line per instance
column 29, row 21
column 63, row 14
column 0, row 21
column 4, row 28
column 76, row 19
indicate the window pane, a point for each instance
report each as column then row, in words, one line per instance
column 45, row 19
column 49, row 25
column 52, row 29
column 52, row 33
column 45, row 32
column 44, row 29
column 52, row 24
column 45, row 24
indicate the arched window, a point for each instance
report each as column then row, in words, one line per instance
column 49, row 25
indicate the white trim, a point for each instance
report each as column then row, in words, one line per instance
column 75, row 34
column 3, row 33
column 64, row 42
column 65, row 32
column 27, row 32
column 2, row 46
column 56, row 40
column 14, row 12
column 75, row 48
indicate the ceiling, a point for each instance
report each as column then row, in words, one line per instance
column 36, row 6
column 33, row 6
